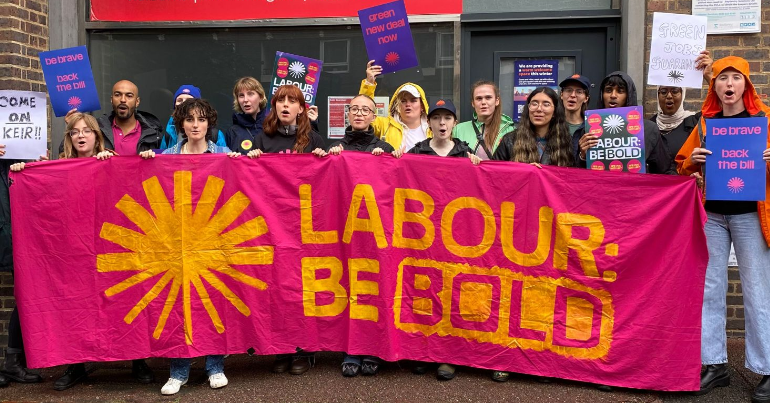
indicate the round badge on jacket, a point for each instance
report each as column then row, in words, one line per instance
column 246, row 144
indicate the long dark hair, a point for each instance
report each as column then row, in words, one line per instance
column 491, row 128
column 272, row 123
column 558, row 139
column 204, row 109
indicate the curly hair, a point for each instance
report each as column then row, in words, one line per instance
column 91, row 123
column 558, row 138
column 204, row 110
column 272, row 124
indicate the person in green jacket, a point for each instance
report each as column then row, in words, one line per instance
column 489, row 123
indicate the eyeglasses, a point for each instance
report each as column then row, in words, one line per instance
column 364, row 110
column 672, row 91
column 577, row 91
column 76, row 132
column 535, row 104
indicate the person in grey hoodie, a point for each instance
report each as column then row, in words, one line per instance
column 618, row 90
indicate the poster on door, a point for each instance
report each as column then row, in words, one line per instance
column 730, row 17
column 528, row 75
column 338, row 113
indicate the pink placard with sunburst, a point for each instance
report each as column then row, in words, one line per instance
column 183, row 256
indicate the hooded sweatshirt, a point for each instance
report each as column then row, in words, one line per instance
column 391, row 129
column 656, row 155
column 712, row 108
column 362, row 140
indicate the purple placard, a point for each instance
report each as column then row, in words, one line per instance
column 388, row 37
column 528, row 75
column 299, row 71
column 735, row 170
column 70, row 80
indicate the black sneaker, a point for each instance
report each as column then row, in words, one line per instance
column 370, row 366
column 142, row 372
column 350, row 369
column 762, row 392
column 74, row 374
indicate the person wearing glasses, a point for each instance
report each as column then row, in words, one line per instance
column 82, row 139
column 359, row 136
column 574, row 98
column 542, row 137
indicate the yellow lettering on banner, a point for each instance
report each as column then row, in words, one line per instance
column 447, row 218
column 535, row 307
column 363, row 287
column 311, row 286
column 372, row 224
column 475, row 301
column 422, row 306
column 565, row 223
column 310, row 235
column 545, row 229
column 580, row 315
column 400, row 216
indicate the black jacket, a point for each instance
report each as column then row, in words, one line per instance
column 461, row 148
column 656, row 154
column 152, row 134
column 504, row 151
column 674, row 140
column 355, row 140
column 6, row 246
column 283, row 143
column 245, row 129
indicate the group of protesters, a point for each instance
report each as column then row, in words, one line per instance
column 550, row 131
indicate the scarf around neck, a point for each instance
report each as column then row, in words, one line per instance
column 666, row 123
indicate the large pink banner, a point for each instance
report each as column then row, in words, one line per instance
column 568, row 273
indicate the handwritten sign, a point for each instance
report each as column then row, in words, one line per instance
column 388, row 37
column 530, row 74
column 735, row 169
column 299, row 71
column 70, row 80
column 24, row 124
column 677, row 40
column 621, row 139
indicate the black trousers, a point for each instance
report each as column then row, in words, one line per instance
column 15, row 343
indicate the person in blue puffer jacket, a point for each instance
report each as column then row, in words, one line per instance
column 185, row 92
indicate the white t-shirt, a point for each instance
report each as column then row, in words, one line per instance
column 412, row 137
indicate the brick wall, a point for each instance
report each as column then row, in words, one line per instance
column 755, row 48
column 23, row 33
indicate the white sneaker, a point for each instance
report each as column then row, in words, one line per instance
column 217, row 381
column 172, row 386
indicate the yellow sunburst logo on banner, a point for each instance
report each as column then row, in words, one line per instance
column 186, row 246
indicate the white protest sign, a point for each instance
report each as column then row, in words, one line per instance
column 23, row 124
column 677, row 40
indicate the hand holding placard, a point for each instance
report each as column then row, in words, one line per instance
column 70, row 80
column 388, row 37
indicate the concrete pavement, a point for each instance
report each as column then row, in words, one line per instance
column 251, row 381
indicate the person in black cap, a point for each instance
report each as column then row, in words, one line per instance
column 442, row 118
column 574, row 97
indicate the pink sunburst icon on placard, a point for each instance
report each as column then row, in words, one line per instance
column 74, row 102
column 735, row 185
column 392, row 58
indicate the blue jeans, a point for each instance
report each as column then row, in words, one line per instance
column 180, row 367
column 753, row 257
